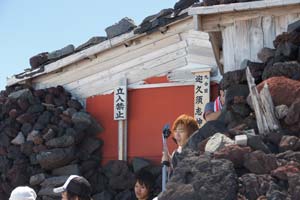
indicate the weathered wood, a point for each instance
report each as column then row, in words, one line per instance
column 237, row 7
column 268, row 108
column 268, row 27
column 263, row 107
column 137, row 75
column 102, row 62
column 256, row 37
column 216, row 43
column 173, row 28
column 242, row 38
column 217, row 21
column 255, row 102
column 228, row 48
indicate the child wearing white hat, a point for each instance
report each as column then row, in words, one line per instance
column 23, row 193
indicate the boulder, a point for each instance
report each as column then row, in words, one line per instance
column 37, row 179
column 123, row 26
column 38, row 60
column 91, row 42
column 289, row 143
column 207, row 179
column 260, row 163
column 280, row 88
column 234, row 153
column 20, row 139
column 55, row 55
column 55, row 158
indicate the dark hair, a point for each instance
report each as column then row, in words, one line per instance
column 72, row 196
column 144, row 177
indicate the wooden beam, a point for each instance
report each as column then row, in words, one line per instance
column 217, row 21
column 237, row 7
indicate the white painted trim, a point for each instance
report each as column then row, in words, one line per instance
column 236, row 7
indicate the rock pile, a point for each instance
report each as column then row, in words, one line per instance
column 268, row 166
column 45, row 135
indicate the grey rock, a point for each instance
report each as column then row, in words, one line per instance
column 66, row 170
column 54, row 55
column 69, row 111
column 295, row 26
column 89, row 145
column 20, row 93
column 92, row 41
column 207, row 179
column 265, row 54
column 54, row 181
column 63, row 141
column 49, row 134
column 281, row 111
column 139, row 163
column 20, row 139
column 287, row 69
column 81, row 118
column 37, row 179
column 38, row 60
column 48, row 192
column 123, row 26
column 260, row 163
column 55, row 158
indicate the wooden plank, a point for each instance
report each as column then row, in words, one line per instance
column 228, row 46
column 242, row 41
column 216, row 22
column 235, row 7
column 102, row 63
column 216, row 42
column 203, row 60
column 100, row 87
column 160, row 55
column 268, row 26
column 256, row 38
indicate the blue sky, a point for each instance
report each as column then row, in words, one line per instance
column 29, row 27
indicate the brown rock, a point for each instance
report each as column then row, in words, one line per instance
column 260, row 163
column 282, row 172
column 234, row 153
column 281, row 88
column 289, row 143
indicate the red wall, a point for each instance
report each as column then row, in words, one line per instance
column 148, row 111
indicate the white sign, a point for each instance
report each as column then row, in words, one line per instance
column 202, row 93
column 120, row 103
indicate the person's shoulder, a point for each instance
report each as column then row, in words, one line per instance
column 209, row 106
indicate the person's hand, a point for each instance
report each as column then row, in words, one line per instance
column 165, row 157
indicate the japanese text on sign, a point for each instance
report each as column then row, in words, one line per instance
column 202, row 83
column 120, row 103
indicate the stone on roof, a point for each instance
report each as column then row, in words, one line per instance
column 124, row 26
column 67, row 50
column 92, row 41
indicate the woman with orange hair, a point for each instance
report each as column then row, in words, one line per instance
column 183, row 127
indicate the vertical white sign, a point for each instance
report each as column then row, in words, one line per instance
column 120, row 103
column 202, row 93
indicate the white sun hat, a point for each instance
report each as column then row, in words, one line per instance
column 23, row 193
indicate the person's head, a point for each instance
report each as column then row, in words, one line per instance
column 75, row 188
column 144, row 184
column 221, row 93
column 22, row 193
column 183, row 127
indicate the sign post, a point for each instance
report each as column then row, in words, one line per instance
column 120, row 114
column 201, row 93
